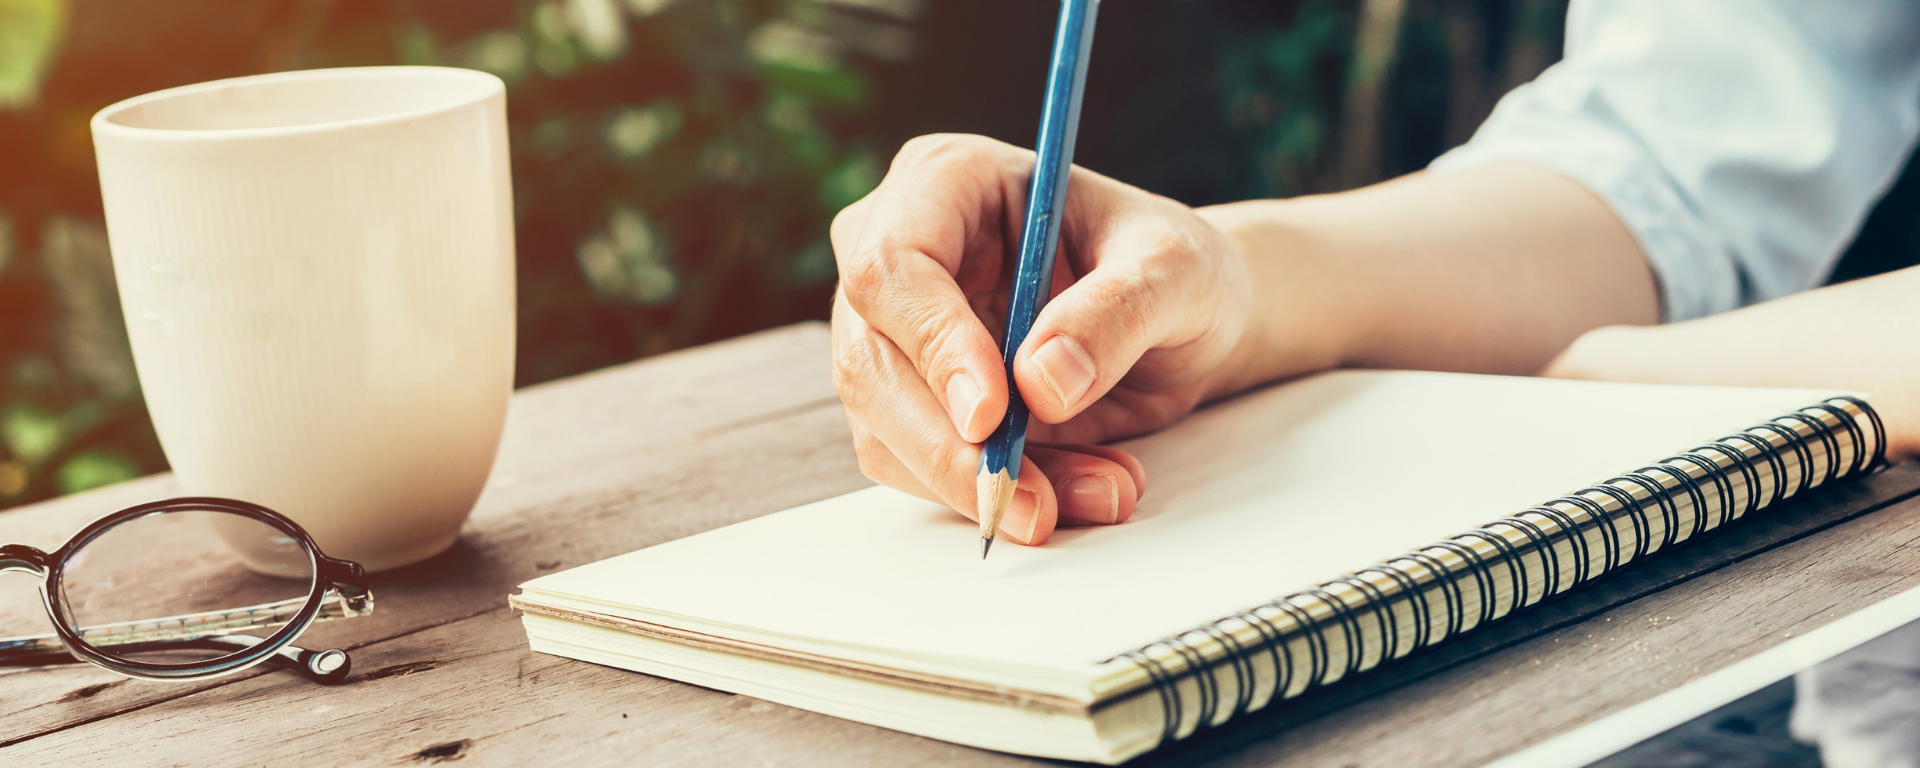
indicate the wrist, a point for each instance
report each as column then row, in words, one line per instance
column 1607, row 353
column 1302, row 317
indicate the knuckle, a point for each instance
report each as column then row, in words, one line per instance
column 944, row 149
column 944, row 455
column 935, row 334
column 921, row 146
column 1168, row 248
column 853, row 363
column 863, row 276
column 1127, row 302
column 934, row 144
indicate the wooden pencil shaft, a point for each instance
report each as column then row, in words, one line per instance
column 1033, row 275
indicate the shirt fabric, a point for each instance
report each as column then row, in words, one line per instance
column 1742, row 142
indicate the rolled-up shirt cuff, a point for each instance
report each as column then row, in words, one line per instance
column 1691, row 261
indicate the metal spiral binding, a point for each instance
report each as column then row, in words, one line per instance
column 1220, row 656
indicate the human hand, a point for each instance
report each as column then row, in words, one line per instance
column 1148, row 300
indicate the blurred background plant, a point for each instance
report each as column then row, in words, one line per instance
column 676, row 162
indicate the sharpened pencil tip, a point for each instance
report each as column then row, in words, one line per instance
column 995, row 490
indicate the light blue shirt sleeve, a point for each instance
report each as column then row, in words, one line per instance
column 1742, row 142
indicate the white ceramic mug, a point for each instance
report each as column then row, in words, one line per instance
column 317, row 274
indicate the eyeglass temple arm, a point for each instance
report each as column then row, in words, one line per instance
column 326, row 667
column 16, row 557
column 197, row 625
column 205, row 631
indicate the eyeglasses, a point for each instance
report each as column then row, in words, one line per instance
column 119, row 568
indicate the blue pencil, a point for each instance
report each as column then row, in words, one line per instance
column 1033, row 276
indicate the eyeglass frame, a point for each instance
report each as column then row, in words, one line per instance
column 336, row 589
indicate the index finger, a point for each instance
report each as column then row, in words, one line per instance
column 904, row 253
column 903, row 442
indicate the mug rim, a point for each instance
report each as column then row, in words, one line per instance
column 103, row 121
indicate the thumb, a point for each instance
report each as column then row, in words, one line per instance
column 1088, row 337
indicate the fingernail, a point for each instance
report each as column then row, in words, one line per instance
column 1022, row 519
column 1090, row 499
column 963, row 399
column 1066, row 367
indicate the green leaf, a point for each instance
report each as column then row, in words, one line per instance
column 854, row 178
column 782, row 43
column 791, row 116
column 30, row 34
column 553, row 51
column 92, row 469
column 633, row 132
column 815, row 264
column 628, row 262
column 841, row 88
column 500, row 52
column 417, row 46
column 645, row 8
column 30, row 433
column 599, row 26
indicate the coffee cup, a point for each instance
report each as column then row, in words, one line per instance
column 317, row 273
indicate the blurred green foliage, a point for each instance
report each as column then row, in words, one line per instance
column 676, row 162
column 30, row 33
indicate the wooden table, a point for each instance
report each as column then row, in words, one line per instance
column 608, row 462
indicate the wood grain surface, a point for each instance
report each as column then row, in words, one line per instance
column 612, row 461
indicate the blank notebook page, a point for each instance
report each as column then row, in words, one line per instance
column 1249, row 499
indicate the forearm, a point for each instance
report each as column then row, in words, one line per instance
column 1494, row 270
column 1856, row 336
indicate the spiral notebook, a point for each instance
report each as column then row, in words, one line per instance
column 1289, row 539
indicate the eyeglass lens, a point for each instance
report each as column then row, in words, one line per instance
column 176, row 564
